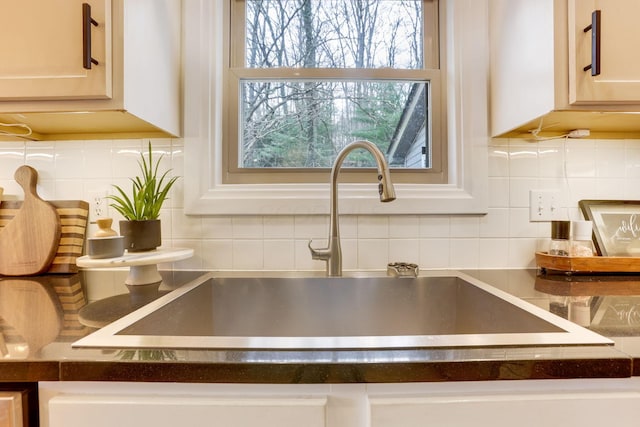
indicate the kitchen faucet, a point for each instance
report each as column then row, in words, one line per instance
column 332, row 254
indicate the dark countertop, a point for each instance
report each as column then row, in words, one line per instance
column 40, row 321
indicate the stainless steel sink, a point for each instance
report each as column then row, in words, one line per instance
column 451, row 310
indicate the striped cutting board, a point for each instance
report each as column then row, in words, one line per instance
column 73, row 218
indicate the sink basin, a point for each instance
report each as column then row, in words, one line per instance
column 451, row 310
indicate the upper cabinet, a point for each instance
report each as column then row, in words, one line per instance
column 48, row 49
column 604, row 66
column 91, row 69
column 542, row 53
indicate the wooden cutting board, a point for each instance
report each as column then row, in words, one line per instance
column 74, row 215
column 28, row 243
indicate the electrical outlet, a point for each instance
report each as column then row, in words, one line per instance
column 98, row 206
column 546, row 205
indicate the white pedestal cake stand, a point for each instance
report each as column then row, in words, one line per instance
column 143, row 266
column 142, row 281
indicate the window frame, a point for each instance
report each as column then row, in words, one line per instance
column 466, row 66
column 235, row 71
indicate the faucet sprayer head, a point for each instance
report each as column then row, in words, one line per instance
column 385, row 187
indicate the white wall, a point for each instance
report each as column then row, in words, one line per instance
column 596, row 169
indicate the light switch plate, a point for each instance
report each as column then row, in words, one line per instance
column 546, row 205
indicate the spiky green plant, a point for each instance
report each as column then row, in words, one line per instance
column 148, row 191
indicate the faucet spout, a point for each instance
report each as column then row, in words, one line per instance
column 332, row 254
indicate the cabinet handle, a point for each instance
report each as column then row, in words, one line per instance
column 87, row 22
column 596, row 30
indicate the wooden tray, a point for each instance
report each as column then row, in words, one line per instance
column 73, row 218
column 594, row 264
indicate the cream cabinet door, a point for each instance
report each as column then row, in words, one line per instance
column 619, row 34
column 42, row 50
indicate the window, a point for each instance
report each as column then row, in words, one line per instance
column 307, row 77
column 207, row 191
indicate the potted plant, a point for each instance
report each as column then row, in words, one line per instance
column 141, row 209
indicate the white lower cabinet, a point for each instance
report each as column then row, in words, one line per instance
column 565, row 403
column 171, row 405
column 164, row 411
column 522, row 410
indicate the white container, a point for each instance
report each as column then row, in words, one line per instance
column 581, row 243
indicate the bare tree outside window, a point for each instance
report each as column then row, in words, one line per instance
column 303, row 122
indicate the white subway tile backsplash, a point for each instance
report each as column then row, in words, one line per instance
column 551, row 158
column 196, row 262
column 465, row 253
column 611, row 188
column 519, row 224
column 523, row 159
column 495, row 223
column 125, row 155
column 465, row 226
column 435, row 253
column 404, row 226
column 11, row 157
column 279, row 255
column 373, row 254
column 46, row 189
column 69, row 160
column 580, row 158
column 68, row 189
column 247, row 227
column 43, row 160
column 522, row 252
column 279, row 227
column 498, row 192
column 348, row 226
column 610, row 160
column 248, row 254
column 98, row 163
column 504, row 238
column 493, row 253
column 434, row 226
column 186, row 227
column 373, row 226
column 519, row 191
column 582, row 188
column 216, row 227
column 499, row 159
column 349, row 254
column 217, row 254
column 311, row 227
column 404, row 250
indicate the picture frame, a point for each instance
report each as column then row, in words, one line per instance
column 616, row 226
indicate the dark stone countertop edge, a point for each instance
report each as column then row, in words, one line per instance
column 314, row 373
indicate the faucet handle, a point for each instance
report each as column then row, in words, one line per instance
column 322, row 254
